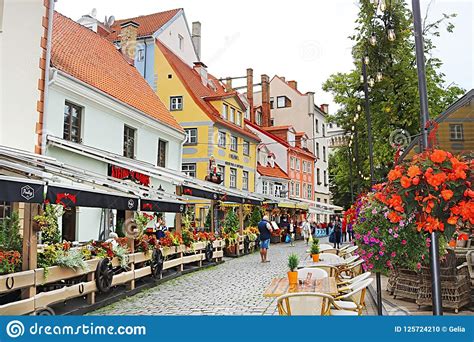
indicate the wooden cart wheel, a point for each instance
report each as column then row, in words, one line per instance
column 44, row 312
column 246, row 244
column 209, row 252
column 104, row 275
column 156, row 264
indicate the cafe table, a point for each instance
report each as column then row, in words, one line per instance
column 281, row 286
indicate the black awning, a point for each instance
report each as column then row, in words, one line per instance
column 160, row 206
column 189, row 191
column 83, row 198
column 13, row 191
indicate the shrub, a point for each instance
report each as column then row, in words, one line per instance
column 10, row 238
column 293, row 261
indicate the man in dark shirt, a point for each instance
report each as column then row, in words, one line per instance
column 265, row 230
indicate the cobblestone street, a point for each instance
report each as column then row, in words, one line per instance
column 233, row 288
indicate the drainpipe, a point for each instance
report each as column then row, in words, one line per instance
column 46, row 74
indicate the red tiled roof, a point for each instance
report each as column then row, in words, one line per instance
column 149, row 24
column 85, row 55
column 275, row 172
column 193, row 83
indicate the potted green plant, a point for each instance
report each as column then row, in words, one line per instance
column 293, row 261
column 314, row 250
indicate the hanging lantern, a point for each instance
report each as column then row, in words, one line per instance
column 382, row 5
column 373, row 39
column 359, row 108
column 371, row 82
column 366, row 60
column 379, row 76
column 391, row 33
column 361, row 78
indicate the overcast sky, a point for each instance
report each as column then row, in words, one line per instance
column 304, row 40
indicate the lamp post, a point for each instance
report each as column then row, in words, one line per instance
column 378, row 279
column 424, row 116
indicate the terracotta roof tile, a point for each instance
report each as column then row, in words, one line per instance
column 149, row 24
column 193, row 83
column 83, row 54
column 269, row 171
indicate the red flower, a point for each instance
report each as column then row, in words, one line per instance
column 447, row 194
column 394, row 174
column 394, row 217
column 414, row 171
column 438, row 156
column 405, row 182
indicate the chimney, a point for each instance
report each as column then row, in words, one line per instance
column 228, row 84
column 128, row 39
column 283, row 78
column 293, row 84
column 325, row 108
column 201, row 69
column 250, row 94
column 265, row 101
column 196, row 38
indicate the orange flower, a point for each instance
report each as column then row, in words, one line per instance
column 469, row 193
column 438, row 156
column 394, row 174
column 415, row 180
column 453, row 220
column 396, row 203
column 394, row 217
column 413, row 171
column 435, row 180
column 447, row 194
column 405, row 182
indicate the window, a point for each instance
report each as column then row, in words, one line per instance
column 318, row 175
column 129, row 142
column 264, row 187
column 189, row 169
column 283, row 101
column 233, row 143
column 278, row 189
column 232, row 114
column 297, row 164
column 297, row 190
column 5, row 210
column 246, row 148
column 181, row 41
column 233, row 178
column 221, row 169
column 292, row 163
column 310, row 167
column 324, row 153
column 292, row 189
column 72, row 122
column 324, row 129
column 325, row 178
column 162, row 153
column 176, row 103
column 272, row 101
column 221, row 139
column 239, row 119
column 317, row 150
column 271, row 187
column 317, row 126
column 456, row 132
column 310, row 191
column 191, row 136
column 225, row 110
column 319, row 199
column 258, row 118
column 140, row 55
column 245, row 180
column 304, row 191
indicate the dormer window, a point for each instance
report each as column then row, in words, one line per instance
column 232, row 114
column 283, row 102
column 258, row 118
column 181, row 42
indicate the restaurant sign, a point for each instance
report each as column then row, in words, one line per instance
column 122, row 173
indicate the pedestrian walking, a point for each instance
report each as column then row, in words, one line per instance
column 306, row 228
column 337, row 232
column 265, row 230
column 292, row 233
column 344, row 230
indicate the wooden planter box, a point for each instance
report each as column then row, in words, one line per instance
column 231, row 251
column 56, row 273
column 12, row 281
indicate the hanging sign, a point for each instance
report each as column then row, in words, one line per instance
column 122, row 173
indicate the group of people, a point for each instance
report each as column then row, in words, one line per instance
column 337, row 230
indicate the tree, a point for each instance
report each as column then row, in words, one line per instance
column 10, row 238
column 256, row 217
column 394, row 100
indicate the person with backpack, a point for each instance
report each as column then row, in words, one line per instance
column 337, row 231
column 306, row 229
column 265, row 230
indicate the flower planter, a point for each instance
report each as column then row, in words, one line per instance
column 231, row 251
column 315, row 257
column 275, row 239
column 293, row 278
column 461, row 243
column 57, row 273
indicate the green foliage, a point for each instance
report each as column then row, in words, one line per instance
column 394, row 102
column 72, row 259
column 119, row 228
column 231, row 222
column 10, row 238
column 208, row 222
column 293, row 262
column 256, row 217
column 314, row 248
column 48, row 222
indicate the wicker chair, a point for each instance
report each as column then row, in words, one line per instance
column 470, row 266
column 392, row 281
column 407, row 284
column 309, row 304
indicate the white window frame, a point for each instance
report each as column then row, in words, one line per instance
column 292, row 163
column 232, row 114
column 180, row 41
column 238, row 118
column 297, row 164
column 297, row 189
column 221, row 169
column 233, row 178
column 310, row 191
column 176, row 103
column 189, row 169
column 225, row 110
column 245, row 180
column 456, row 132
column 264, row 187
column 279, row 98
column 221, row 139
column 191, row 139
column 259, row 118
column 234, row 143
column 246, row 148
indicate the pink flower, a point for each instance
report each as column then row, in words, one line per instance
column 418, row 265
column 404, row 242
column 381, row 253
column 390, row 231
column 395, row 235
column 393, row 255
column 422, row 257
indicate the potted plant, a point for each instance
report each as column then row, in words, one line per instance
column 293, row 261
column 315, row 250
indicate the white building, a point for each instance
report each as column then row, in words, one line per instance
column 103, row 117
column 271, row 179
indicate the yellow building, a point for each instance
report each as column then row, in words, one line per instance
column 213, row 119
column 455, row 132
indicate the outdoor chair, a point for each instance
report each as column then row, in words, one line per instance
column 309, row 304
column 356, row 279
column 325, row 246
column 317, row 273
column 355, row 299
column 470, row 265
column 351, row 270
column 351, row 259
column 332, row 271
column 348, row 251
column 344, row 248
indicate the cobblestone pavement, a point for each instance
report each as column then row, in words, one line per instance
column 233, row 288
